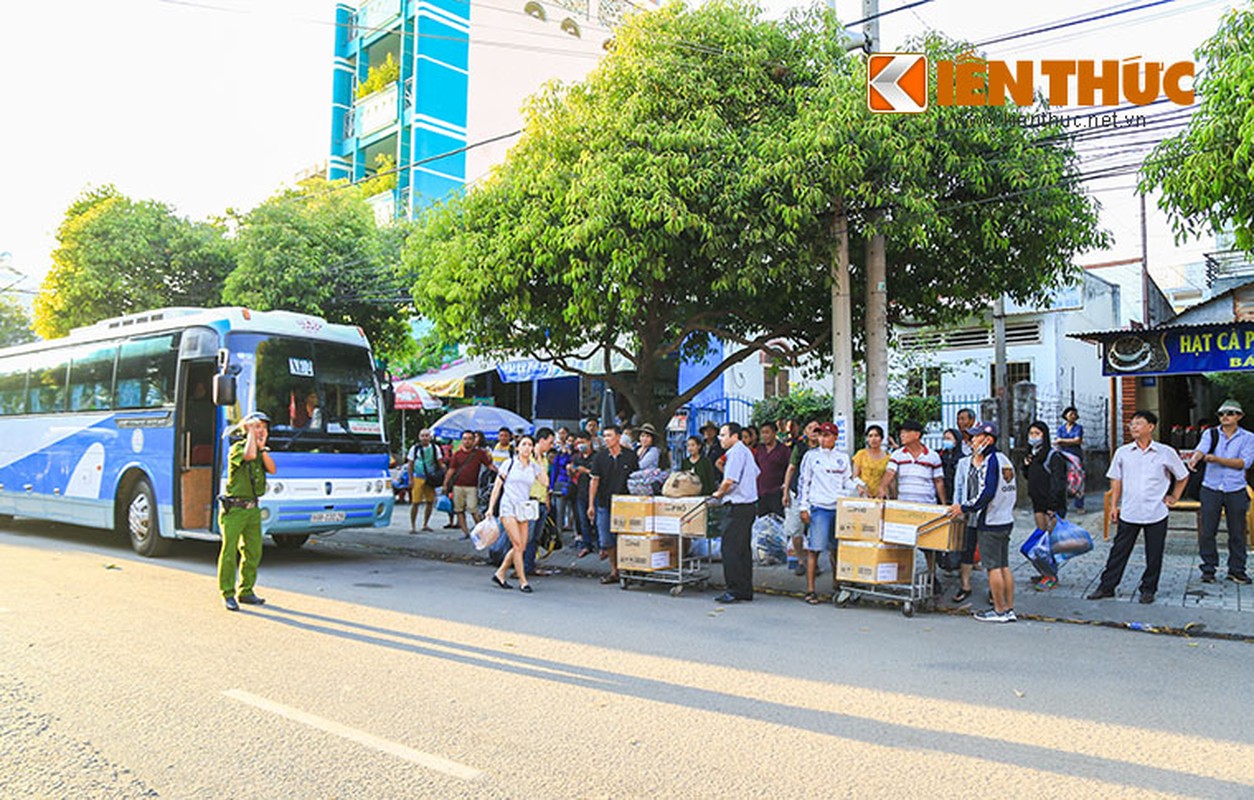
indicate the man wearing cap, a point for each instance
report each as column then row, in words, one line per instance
column 239, row 519
column 712, row 449
column 739, row 490
column 1146, row 479
column 1227, row 452
column 826, row 476
column 914, row 471
column 993, row 510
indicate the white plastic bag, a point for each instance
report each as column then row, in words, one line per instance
column 485, row 534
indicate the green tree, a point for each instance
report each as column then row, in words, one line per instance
column 15, row 325
column 116, row 255
column 687, row 191
column 974, row 202
column 1206, row 172
column 316, row 249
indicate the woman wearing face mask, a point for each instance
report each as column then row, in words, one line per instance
column 951, row 454
column 870, row 462
column 1045, row 470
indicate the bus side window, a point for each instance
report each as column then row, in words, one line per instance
column 13, row 386
column 146, row 369
column 91, row 378
column 46, row 389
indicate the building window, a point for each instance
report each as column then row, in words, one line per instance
column 774, row 381
column 924, row 382
column 1016, row 372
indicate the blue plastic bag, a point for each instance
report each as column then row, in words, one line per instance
column 1068, row 540
column 1036, row 549
column 444, row 503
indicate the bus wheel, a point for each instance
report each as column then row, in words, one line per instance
column 141, row 521
column 290, row 541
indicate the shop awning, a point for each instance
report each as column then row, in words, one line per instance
column 1175, row 349
column 450, row 381
column 525, row 370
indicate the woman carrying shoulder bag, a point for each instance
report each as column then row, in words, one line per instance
column 517, row 510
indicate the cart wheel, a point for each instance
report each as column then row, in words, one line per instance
column 907, row 609
column 622, row 583
column 842, row 598
column 676, row 591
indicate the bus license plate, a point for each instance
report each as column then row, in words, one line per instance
column 327, row 516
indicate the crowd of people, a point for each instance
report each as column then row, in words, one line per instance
column 793, row 469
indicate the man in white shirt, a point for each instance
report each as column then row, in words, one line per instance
column 914, row 471
column 826, row 476
column 1146, row 479
column 739, row 490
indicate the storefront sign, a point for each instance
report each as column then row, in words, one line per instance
column 1205, row 348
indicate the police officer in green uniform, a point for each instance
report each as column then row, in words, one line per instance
column 239, row 519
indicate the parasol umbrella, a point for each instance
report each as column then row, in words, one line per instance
column 488, row 419
column 410, row 396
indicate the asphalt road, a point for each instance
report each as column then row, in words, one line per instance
column 370, row 675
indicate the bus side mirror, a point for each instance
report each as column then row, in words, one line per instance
column 387, row 389
column 223, row 390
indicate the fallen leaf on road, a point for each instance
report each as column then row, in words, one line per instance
column 1192, row 644
column 1018, row 693
column 112, row 566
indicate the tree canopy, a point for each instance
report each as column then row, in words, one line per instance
column 15, row 326
column 685, row 192
column 316, row 249
column 1206, row 172
column 116, row 255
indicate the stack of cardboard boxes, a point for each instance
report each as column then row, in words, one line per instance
column 650, row 528
column 878, row 538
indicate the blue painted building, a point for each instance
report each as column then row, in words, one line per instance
column 457, row 74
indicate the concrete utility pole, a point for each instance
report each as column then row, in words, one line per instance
column 1145, row 278
column 842, row 329
column 876, row 316
column 1000, row 391
column 876, row 322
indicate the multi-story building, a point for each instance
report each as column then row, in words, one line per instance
column 427, row 93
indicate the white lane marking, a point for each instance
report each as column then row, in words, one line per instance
column 4, row 611
column 451, row 768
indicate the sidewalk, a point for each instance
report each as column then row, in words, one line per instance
column 1184, row 604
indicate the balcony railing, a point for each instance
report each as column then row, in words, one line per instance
column 375, row 111
column 374, row 14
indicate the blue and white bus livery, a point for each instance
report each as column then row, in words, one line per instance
column 115, row 426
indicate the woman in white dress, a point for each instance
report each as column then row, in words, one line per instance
column 517, row 510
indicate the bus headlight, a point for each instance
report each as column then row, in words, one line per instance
column 276, row 487
column 265, row 513
column 378, row 486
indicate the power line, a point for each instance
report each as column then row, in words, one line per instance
column 1114, row 12
column 906, row 7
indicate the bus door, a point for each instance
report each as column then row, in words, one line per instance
column 197, row 434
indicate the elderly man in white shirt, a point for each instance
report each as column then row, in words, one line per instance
column 1146, row 479
column 826, row 476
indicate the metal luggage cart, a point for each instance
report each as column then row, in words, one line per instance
column 688, row 571
column 918, row 595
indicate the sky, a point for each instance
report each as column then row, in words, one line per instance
column 215, row 104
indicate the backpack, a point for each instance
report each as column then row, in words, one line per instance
column 1075, row 472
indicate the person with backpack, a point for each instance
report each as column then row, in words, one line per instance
column 426, row 468
column 1226, row 453
column 1070, row 440
column 1045, row 471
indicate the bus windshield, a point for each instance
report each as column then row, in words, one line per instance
column 320, row 396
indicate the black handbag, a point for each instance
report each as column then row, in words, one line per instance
column 1193, row 489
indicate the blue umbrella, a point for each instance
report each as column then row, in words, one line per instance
column 488, row 419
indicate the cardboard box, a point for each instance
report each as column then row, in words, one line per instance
column 948, row 536
column 902, row 521
column 858, row 518
column 647, row 553
column 631, row 513
column 874, row 562
column 669, row 513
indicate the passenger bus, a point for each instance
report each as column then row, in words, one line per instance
column 126, row 424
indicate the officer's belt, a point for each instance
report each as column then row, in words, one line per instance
column 229, row 502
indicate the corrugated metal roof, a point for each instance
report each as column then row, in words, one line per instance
column 1097, row 336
